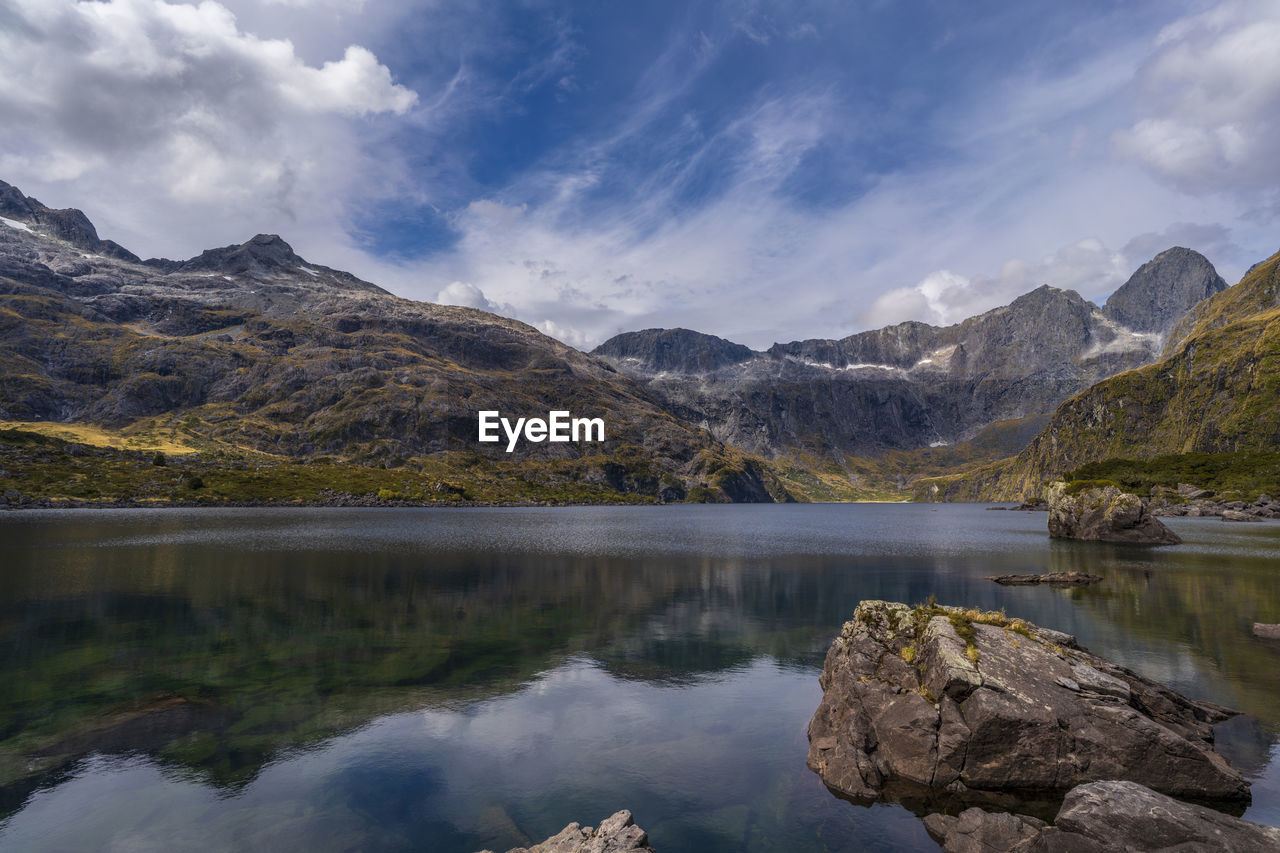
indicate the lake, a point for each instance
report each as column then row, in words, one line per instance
column 455, row 679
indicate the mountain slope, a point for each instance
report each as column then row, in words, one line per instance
column 250, row 348
column 1219, row 391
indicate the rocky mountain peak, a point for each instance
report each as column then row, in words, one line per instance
column 69, row 224
column 673, row 350
column 1163, row 290
column 1047, row 297
column 264, row 253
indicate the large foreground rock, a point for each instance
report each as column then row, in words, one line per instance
column 616, row 834
column 1106, row 514
column 939, row 703
column 1105, row 816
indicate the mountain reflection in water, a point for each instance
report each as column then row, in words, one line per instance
column 454, row 679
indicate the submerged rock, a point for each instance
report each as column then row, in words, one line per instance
column 1104, row 513
column 1051, row 578
column 939, row 703
column 1104, row 816
column 615, row 834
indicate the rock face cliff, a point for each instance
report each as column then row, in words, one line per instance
column 911, row 385
column 251, row 346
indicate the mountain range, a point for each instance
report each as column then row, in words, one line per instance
column 251, row 358
column 1216, row 390
column 914, row 385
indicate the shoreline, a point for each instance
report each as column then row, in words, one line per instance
column 373, row 503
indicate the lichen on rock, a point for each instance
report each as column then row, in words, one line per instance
column 991, row 707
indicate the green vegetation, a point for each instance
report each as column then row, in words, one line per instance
column 962, row 621
column 1076, row 486
column 1246, row 474
column 40, row 467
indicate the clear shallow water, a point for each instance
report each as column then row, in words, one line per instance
column 458, row 679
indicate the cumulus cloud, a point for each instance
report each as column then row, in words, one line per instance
column 943, row 297
column 147, row 102
column 1210, row 100
column 468, row 295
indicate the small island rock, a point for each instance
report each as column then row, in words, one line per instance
column 1266, row 631
column 616, row 834
column 1050, row 578
column 1104, row 513
column 1101, row 817
column 942, row 702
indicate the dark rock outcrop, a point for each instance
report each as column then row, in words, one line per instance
column 68, row 224
column 1050, row 578
column 1104, row 817
column 939, row 704
column 1105, row 514
column 616, row 834
column 654, row 351
column 1163, row 290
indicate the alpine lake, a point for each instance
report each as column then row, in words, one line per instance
column 458, row 679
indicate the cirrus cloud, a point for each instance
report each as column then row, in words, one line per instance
column 1210, row 100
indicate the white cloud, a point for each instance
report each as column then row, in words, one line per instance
column 353, row 5
column 1210, row 100
column 156, row 106
column 943, row 298
column 468, row 296
column 182, row 126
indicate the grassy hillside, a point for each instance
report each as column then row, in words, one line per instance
column 379, row 396
column 1257, row 293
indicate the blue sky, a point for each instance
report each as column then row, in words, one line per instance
column 765, row 171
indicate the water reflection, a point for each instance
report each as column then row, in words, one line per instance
column 482, row 677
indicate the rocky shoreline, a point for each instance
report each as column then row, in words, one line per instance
column 1187, row 501
column 337, row 501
